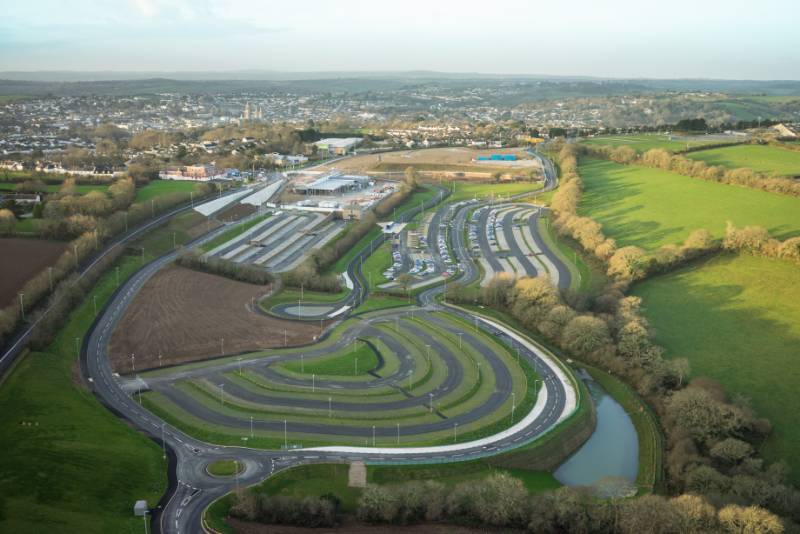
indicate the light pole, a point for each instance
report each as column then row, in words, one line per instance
column 285, row 438
column 373, row 435
column 251, row 427
column 159, row 359
column 163, row 444
column 430, row 395
column 302, row 365
column 513, row 405
column 222, row 346
column 22, row 305
column 459, row 339
column 398, row 433
column 313, row 387
column 133, row 361
column 222, row 394
column 239, row 360
column 455, row 432
column 428, row 352
column 284, row 337
column 330, row 411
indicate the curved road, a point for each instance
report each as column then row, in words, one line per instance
column 194, row 489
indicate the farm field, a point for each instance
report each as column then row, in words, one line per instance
column 737, row 320
column 157, row 188
column 761, row 158
column 76, row 468
column 22, row 260
column 170, row 315
column 436, row 159
column 644, row 142
column 650, row 207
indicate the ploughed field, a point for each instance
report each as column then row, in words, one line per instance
column 737, row 320
column 22, row 259
column 650, row 207
column 187, row 315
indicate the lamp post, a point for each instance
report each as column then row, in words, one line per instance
column 22, row 305
column 222, row 394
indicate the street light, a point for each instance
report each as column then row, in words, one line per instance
column 133, row 361
column 459, row 339
column 455, row 432
column 330, row 411
column 22, row 305
column 431, row 397
column 251, row 427
column 222, row 394
column 373, row 435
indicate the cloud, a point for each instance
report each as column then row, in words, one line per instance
column 146, row 7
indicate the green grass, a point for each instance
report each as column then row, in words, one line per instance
column 647, row 431
column 68, row 464
column 761, row 158
column 290, row 294
column 341, row 364
column 160, row 241
column 156, row 188
column 470, row 190
column 422, row 195
column 645, row 142
column 381, row 302
column 236, row 230
column 650, row 207
column 737, row 320
column 224, row 468
column 377, row 263
column 584, row 279
column 341, row 264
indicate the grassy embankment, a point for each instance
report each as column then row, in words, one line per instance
column 68, row 463
column 650, row 207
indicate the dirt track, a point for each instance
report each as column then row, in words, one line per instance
column 184, row 314
column 22, row 259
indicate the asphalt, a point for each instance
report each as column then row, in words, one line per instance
column 193, row 489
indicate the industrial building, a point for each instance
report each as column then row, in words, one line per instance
column 333, row 184
column 338, row 146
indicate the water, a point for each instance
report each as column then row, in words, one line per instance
column 611, row 451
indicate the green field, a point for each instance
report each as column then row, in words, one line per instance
column 644, row 142
column 761, row 158
column 157, row 188
column 737, row 320
column 650, row 207
column 346, row 362
column 376, row 264
column 68, row 464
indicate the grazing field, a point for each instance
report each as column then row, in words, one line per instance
column 68, row 464
column 436, row 160
column 171, row 316
column 737, row 320
column 644, row 142
column 157, row 188
column 22, row 260
column 650, row 207
column 761, row 158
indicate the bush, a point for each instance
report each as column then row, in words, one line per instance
column 235, row 271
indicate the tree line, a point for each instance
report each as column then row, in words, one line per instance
column 251, row 274
column 501, row 501
column 711, row 439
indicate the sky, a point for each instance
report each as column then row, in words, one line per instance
column 731, row 39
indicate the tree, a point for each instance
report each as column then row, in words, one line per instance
column 7, row 221
column 627, row 262
column 585, row 334
column 731, row 450
column 749, row 520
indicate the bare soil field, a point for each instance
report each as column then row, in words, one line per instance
column 22, row 259
column 185, row 315
column 450, row 160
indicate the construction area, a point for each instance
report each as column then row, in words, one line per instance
column 465, row 163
